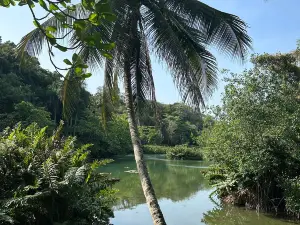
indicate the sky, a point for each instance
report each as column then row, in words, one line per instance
column 273, row 27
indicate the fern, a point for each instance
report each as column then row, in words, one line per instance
column 50, row 174
column 4, row 218
column 47, row 180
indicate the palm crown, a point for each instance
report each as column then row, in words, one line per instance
column 176, row 31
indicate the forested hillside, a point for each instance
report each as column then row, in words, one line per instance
column 29, row 93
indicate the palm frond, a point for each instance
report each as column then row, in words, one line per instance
column 70, row 94
column 34, row 41
column 142, row 81
column 201, row 60
column 226, row 31
column 179, row 45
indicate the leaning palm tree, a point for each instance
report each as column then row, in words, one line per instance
column 178, row 32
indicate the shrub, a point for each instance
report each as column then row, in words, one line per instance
column 46, row 180
column 174, row 152
column 292, row 195
column 155, row 149
column 184, row 152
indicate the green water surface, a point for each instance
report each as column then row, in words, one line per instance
column 183, row 195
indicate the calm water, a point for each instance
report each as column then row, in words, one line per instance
column 183, row 194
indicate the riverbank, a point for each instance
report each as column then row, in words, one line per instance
column 175, row 152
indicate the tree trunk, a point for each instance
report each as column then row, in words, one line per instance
column 157, row 216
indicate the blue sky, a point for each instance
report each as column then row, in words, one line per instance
column 273, row 26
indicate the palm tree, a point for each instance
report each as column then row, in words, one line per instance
column 178, row 32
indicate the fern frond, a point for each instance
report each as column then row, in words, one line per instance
column 5, row 218
column 50, row 174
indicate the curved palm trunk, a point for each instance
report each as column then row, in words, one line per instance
column 157, row 216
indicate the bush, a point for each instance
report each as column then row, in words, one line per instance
column 155, row 149
column 292, row 196
column 46, row 180
column 184, row 152
column 174, row 152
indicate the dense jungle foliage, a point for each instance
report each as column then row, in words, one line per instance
column 47, row 180
column 254, row 140
column 29, row 93
column 32, row 94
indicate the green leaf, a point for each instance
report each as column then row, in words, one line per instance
column 30, row 3
column 78, row 70
column 36, row 23
column 90, row 40
column 110, row 17
column 107, row 47
column 50, row 35
column 63, row 4
column 60, row 17
column 51, row 28
column 21, row 3
column 79, row 24
column 53, row 7
column 86, row 75
column 61, row 48
column 97, row 37
column 12, row 2
column 83, row 66
column 78, row 32
column 68, row 62
column 93, row 18
column 75, row 57
column 65, row 25
column 84, row 4
column 88, row 4
column 52, row 41
column 106, row 55
column 102, row 7
column 71, row 8
column 5, row 3
column 43, row 4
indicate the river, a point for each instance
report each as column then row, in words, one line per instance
column 183, row 195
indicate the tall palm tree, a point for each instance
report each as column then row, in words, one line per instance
column 178, row 32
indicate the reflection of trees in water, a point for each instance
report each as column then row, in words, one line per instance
column 171, row 181
column 239, row 216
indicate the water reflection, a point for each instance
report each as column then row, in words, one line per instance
column 174, row 180
column 183, row 195
column 240, row 216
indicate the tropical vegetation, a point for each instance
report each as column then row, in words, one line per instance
column 33, row 94
column 178, row 32
column 49, row 180
column 123, row 33
column 254, row 141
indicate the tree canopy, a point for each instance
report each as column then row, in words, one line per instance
column 254, row 140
